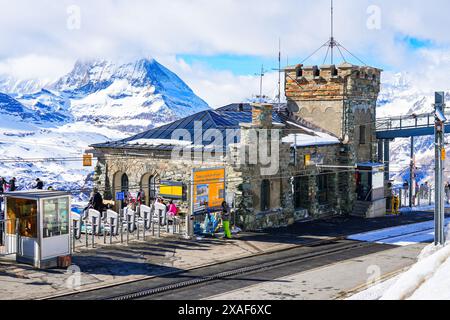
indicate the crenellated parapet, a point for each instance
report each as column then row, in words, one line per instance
column 331, row 82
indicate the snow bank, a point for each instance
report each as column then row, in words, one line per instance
column 410, row 281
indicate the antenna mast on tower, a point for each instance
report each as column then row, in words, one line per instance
column 331, row 44
column 279, row 73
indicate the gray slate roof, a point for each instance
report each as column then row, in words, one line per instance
column 227, row 117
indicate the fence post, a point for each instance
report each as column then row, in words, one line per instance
column 111, row 223
column 128, row 228
column 153, row 223
column 17, row 236
column 137, row 227
column 166, row 220
column 104, row 231
column 121, row 229
column 159, row 223
column 145, row 223
column 94, row 220
column 86, row 233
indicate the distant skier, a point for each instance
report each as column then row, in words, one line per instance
column 2, row 185
column 12, row 185
column 39, row 184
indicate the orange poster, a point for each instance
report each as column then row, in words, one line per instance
column 209, row 189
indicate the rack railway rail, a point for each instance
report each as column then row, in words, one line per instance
column 204, row 282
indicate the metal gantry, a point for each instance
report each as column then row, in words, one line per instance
column 416, row 125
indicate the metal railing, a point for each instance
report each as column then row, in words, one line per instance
column 413, row 121
column 113, row 228
column 420, row 199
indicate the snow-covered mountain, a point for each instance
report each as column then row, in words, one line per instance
column 97, row 101
column 400, row 96
column 12, row 85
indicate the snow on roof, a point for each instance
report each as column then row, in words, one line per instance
column 310, row 138
column 159, row 142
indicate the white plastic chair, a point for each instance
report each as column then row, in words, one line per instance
column 75, row 224
column 94, row 221
column 114, row 226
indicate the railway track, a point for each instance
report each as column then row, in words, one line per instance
column 314, row 254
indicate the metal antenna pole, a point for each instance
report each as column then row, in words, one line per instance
column 279, row 73
column 332, row 32
column 261, row 85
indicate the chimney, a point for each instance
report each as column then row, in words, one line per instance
column 262, row 115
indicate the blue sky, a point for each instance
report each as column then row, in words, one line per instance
column 218, row 46
column 251, row 65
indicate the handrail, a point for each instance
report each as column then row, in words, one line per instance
column 425, row 120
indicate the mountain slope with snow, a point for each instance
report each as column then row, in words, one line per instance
column 96, row 102
column 400, row 96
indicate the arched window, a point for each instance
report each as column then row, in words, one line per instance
column 125, row 185
column 152, row 188
column 265, row 195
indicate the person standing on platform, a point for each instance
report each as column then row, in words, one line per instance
column 226, row 218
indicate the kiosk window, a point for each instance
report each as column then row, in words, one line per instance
column 26, row 212
column 56, row 217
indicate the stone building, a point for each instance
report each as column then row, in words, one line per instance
column 324, row 129
column 342, row 99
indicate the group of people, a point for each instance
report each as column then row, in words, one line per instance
column 96, row 202
column 420, row 191
column 11, row 185
column 8, row 186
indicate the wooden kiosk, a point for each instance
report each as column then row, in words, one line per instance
column 39, row 228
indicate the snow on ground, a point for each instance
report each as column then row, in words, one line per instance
column 20, row 140
column 97, row 101
column 400, row 236
column 427, row 280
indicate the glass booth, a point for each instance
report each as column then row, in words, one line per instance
column 370, row 182
column 39, row 228
column 370, row 188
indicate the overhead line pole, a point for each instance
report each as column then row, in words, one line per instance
column 439, row 212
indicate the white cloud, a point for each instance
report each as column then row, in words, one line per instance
column 160, row 27
column 219, row 88
column 33, row 66
column 37, row 41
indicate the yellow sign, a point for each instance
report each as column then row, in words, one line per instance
column 444, row 154
column 87, row 160
column 209, row 189
column 307, row 160
column 171, row 190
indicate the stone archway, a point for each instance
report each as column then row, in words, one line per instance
column 121, row 183
column 149, row 183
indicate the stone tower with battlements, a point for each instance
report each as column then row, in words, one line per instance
column 340, row 99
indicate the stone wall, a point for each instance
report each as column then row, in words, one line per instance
column 339, row 99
